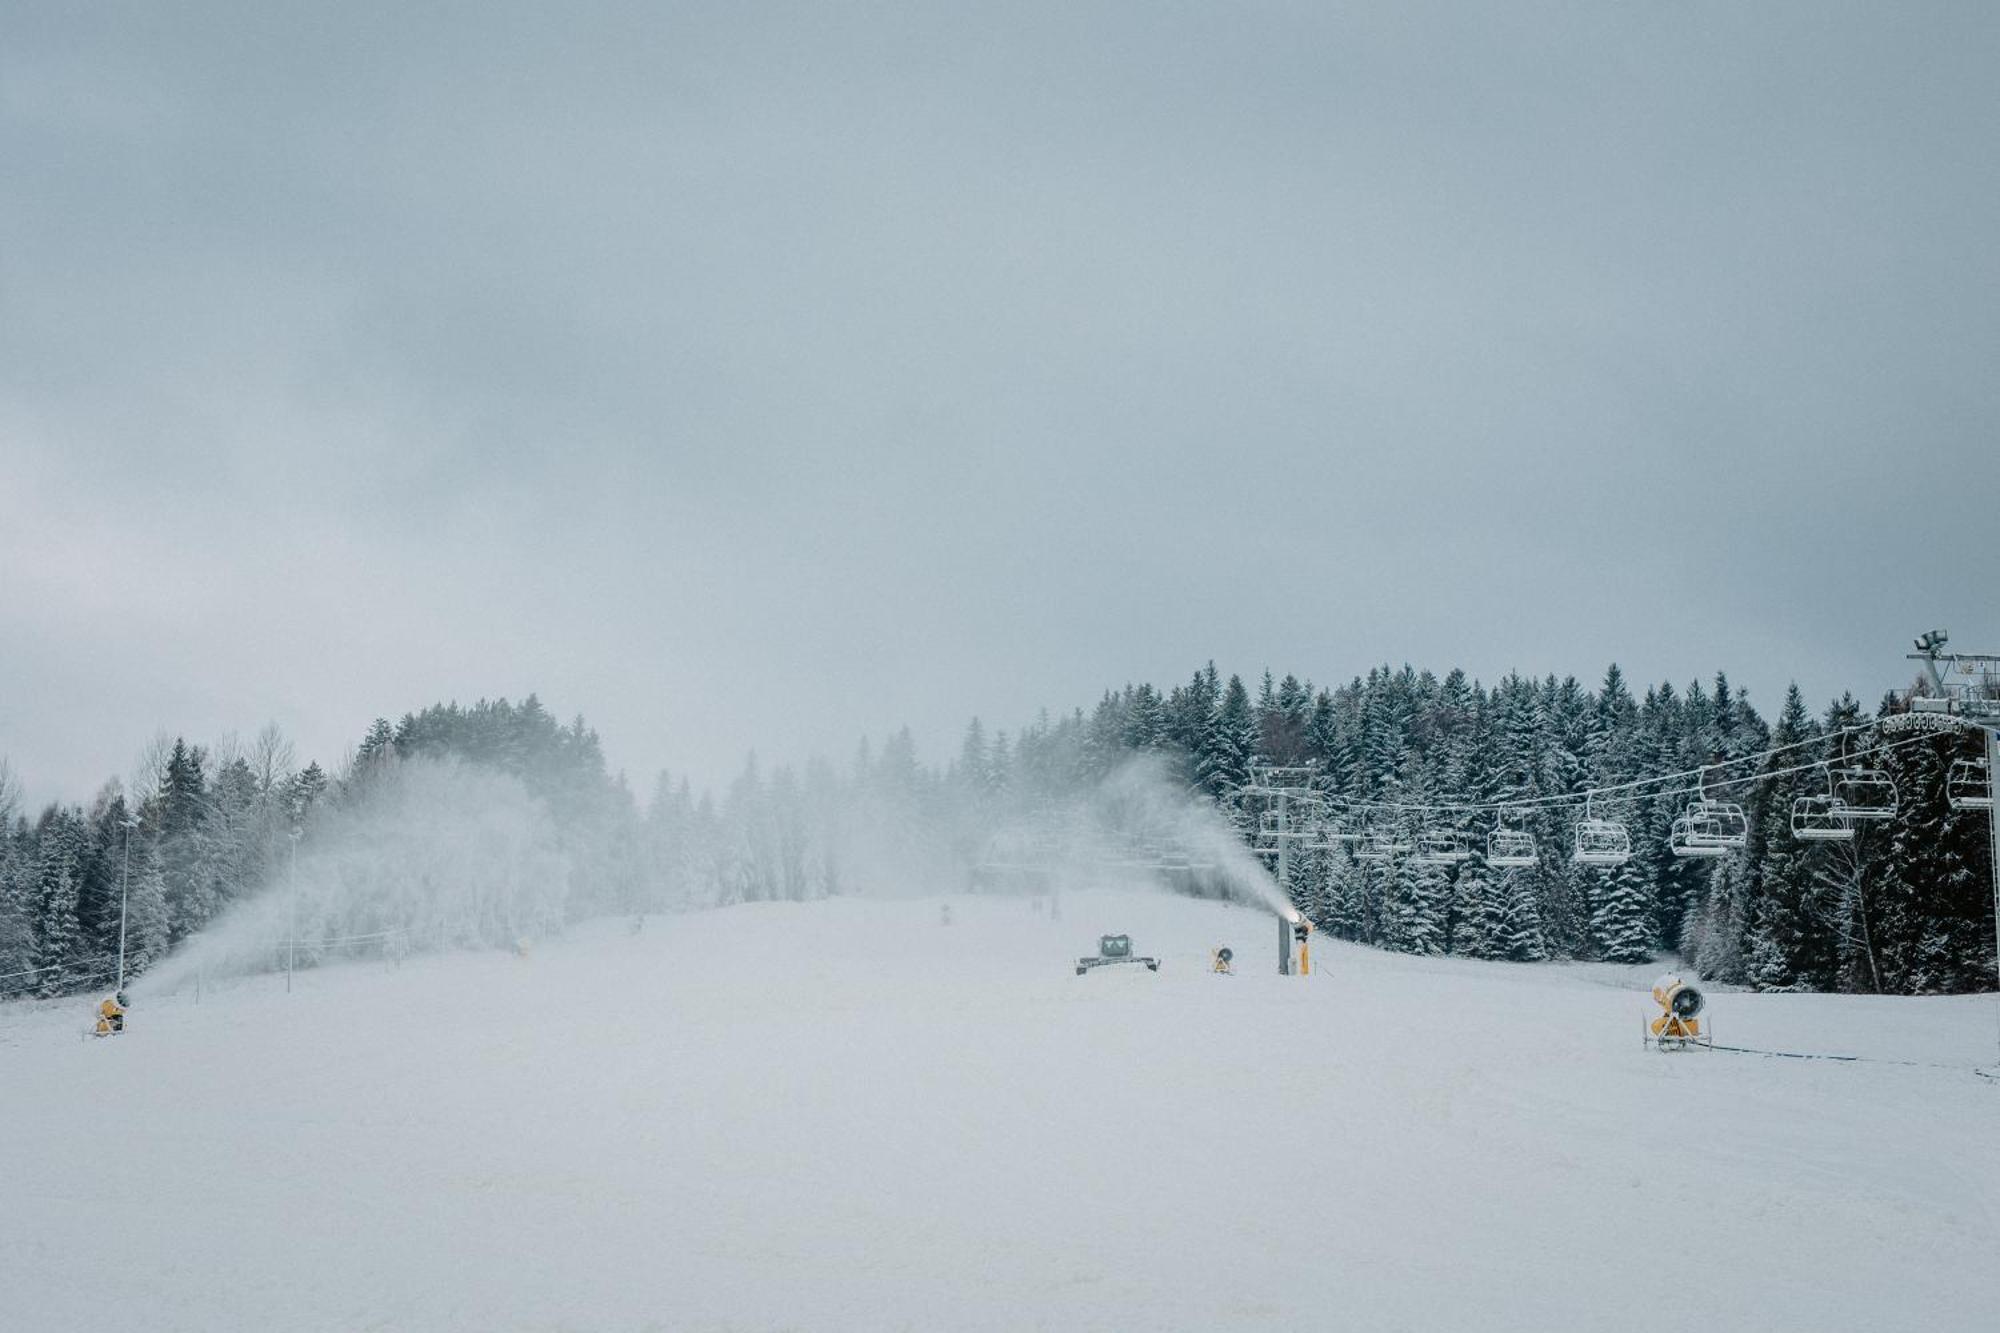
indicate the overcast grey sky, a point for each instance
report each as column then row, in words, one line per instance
column 760, row 376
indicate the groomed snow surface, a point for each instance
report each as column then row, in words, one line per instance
column 847, row 1115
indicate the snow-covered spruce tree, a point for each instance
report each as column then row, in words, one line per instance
column 1145, row 720
column 59, row 943
column 1224, row 762
column 1790, row 942
column 146, row 926
column 1418, row 913
column 1347, row 895
column 1621, row 917
column 1719, row 954
column 1517, row 930
column 185, row 863
column 17, row 931
column 1312, row 886
column 1476, row 913
column 1282, row 714
column 1190, row 713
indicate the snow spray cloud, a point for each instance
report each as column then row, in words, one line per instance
column 1138, row 827
column 421, row 853
column 418, row 853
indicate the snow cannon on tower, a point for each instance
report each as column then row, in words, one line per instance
column 1294, row 929
column 1677, row 1028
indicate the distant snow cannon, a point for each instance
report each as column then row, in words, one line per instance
column 1220, row 959
column 1677, row 1028
column 1293, row 928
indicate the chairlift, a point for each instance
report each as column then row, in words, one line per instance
column 1290, row 824
column 1822, row 819
column 1697, row 834
column 1374, row 847
column 1709, row 827
column 1510, row 847
column 1600, row 842
column 1968, row 786
column 1380, row 845
column 1867, row 793
column 1443, row 847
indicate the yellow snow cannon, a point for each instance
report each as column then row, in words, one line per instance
column 110, row 1016
column 1222, row 959
column 1677, row 1028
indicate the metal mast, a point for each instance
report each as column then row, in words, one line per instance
column 1967, row 686
column 1287, row 795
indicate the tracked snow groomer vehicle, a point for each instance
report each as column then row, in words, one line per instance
column 1113, row 950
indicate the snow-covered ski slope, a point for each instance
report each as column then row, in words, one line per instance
column 846, row 1115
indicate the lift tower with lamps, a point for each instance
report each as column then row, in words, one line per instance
column 1967, row 686
column 1287, row 795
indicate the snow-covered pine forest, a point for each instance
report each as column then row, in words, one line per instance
column 494, row 823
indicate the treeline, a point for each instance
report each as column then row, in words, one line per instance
column 490, row 823
column 1903, row 907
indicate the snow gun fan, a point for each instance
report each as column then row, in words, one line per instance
column 1677, row 1028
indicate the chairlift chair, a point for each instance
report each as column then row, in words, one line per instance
column 1694, row 835
column 1709, row 829
column 1865, row 793
column 1601, row 842
column 1442, row 847
column 1822, row 819
column 1507, row 848
column 1380, row 845
column 1968, row 786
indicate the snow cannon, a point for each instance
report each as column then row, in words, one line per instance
column 1677, row 1028
column 1302, row 935
column 110, row 1016
column 1220, row 959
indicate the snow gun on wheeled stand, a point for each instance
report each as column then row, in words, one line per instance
column 1677, row 1028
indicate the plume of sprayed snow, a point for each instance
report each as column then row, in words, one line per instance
column 1139, row 827
column 1146, row 789
column 427, row 853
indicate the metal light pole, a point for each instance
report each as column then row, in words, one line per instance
column 292, row 934
column 124, row 896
